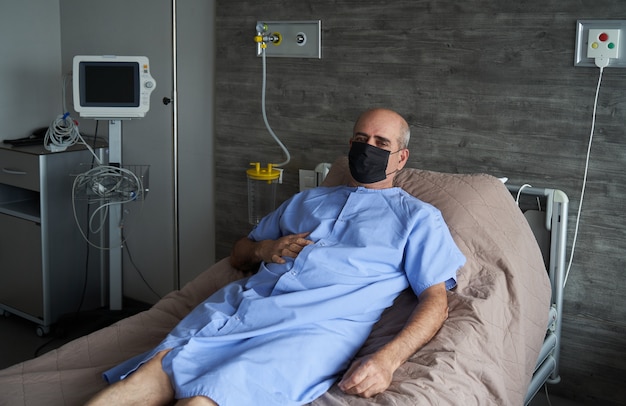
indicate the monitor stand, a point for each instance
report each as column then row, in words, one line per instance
column 115, row 222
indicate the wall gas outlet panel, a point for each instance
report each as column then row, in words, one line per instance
column 600, row 39
column 290, row 39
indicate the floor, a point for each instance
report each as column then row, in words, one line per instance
column 19, row 340
column 541, row 399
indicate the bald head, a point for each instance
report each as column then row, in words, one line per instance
column 387, row 121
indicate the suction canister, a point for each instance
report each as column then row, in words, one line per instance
column 261, row 191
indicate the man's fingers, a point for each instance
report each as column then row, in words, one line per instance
column 357, row 386
column 277, row 259
column 351, row 378
column 288, row 246
column 366, row 387
column 301, row 241
column 294, row 244
column 364, row 379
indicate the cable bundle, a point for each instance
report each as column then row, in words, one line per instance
column 62, row 133
column 109, row 184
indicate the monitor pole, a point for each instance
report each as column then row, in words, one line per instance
column 115, row 222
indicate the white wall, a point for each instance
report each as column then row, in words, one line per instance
column 30, row 66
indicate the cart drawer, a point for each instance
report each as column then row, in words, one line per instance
column 19, row 169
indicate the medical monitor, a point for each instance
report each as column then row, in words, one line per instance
column 112, row 87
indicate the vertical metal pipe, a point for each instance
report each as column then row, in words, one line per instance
column 116, row 289
column 175, row 147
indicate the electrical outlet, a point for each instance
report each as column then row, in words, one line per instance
column 308, row 179
column 600, row 39
column 290, row 39
column 603, row 43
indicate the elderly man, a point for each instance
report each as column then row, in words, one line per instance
column 328, row 262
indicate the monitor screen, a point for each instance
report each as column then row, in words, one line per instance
column 112, row 87
column 112, row 84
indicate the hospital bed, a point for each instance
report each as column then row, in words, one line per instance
column 486, row 353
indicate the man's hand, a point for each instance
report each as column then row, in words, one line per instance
column 372, row 375
column 287, row 246
column 367, row 377
column 247, row 254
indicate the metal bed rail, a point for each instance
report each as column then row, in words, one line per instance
column 555, row 204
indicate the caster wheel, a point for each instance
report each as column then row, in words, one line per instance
column 5, row 314
column 43, row 331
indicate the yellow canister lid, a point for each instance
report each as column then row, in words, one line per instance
column 257, row 173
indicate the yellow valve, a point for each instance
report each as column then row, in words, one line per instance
column 277, row 38
column 259, row 39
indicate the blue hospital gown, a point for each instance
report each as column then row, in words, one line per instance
column 285, row 334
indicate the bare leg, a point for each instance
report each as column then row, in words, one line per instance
column 196, row 401
column 148, row 385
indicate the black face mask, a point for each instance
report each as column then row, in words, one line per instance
column 368, row 164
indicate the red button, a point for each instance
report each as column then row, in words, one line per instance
column 603, row 37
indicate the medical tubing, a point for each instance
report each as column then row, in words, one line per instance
column 63, row 131
column 63, row 90
column 519, row 192
column 267, row 124
column 86, row 144
column 118, row 181
column 582, row 191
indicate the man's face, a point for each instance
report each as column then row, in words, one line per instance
column 378, row 128
column 382, row 129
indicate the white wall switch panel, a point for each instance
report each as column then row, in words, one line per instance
column 603, row 43
column 600, row 39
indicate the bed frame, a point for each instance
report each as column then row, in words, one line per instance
column 546, row 211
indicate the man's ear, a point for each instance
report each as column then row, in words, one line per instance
column 404, row 158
